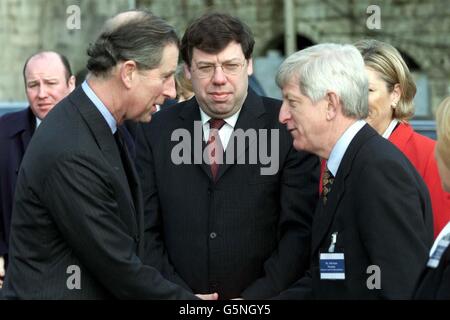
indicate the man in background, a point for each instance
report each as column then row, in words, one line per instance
column 48, row 79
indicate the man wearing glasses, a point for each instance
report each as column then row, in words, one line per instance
column 216, row 221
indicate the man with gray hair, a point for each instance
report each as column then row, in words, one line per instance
column 77, row 222
column 373, row 224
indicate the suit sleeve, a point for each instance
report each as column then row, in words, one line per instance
column 155, row 252
column 3, row 246
column 298, row 198
column 398, row 222
column 81, row 198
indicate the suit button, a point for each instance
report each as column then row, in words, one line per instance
column 212, row 235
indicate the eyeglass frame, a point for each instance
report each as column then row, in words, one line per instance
column 214, row 66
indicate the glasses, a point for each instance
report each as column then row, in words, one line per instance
column 206, row 70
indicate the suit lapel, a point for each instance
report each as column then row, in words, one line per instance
column 102, row 135
column 133, row 179
column 28, row 129
column 325, row 214
column 22, row 132
column 192, row 122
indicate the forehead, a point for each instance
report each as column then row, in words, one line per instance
column 232, row 51
column 373, row 75
column 45, row 66
column 291, row 89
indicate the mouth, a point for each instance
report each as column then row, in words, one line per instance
column 219, row 96
column 291, row 130
column 44, row 105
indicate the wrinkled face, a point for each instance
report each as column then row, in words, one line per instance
column 45, row 83
column 444, row 172
column 220, row 81
column 380, row 101
column 154, row 86
column 305, row 120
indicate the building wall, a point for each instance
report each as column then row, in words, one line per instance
column 28, row 26
column 419, row 28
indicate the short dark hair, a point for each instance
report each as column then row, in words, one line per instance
column 140, row 38
column 64, row 60
column 212, row 32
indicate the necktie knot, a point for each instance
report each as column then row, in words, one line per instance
column 216, row 123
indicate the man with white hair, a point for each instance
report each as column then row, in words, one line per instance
column 373, row 224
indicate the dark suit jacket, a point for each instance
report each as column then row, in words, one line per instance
column 245, row 235
column 74, row 206
column 16, row 130
column 435, row 282
column 380, row 207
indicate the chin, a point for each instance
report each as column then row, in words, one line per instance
column 145, row 118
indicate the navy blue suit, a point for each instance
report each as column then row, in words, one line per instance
column 16, row 130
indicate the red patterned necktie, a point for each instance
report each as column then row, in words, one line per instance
column 327, row 182
column 214, row 145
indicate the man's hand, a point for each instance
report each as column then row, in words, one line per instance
column 2, row 270
column 210, row 296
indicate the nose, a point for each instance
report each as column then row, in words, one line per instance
column 219, row 76
column 42, row 91
column 169, row 88
column 284, row 115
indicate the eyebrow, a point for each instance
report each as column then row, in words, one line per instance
column 168, row 73
column 236, row 59
column 45, row 79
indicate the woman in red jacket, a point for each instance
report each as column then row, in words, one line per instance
column 391, row 93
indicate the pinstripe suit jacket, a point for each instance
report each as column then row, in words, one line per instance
column 75, row 207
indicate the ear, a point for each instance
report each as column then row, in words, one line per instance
column 396, row 95
column 127, row 72
column 187, row 72
column 333, row 105
column 250, row 66
column 71, row 83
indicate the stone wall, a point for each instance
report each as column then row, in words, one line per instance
column 27, row 26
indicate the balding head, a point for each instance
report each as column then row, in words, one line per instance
column 53, row 56
column 48, row 79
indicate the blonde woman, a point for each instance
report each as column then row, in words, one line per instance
column 391, row 93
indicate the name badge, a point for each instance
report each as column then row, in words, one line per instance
column 332, row 266
column 436, row 255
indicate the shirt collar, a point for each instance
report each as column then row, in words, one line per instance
column 338, row 151
column 390, row 128
column 230, row 120
column 112, row 123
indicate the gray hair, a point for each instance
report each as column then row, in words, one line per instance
column 134, row 35
column 329, row 67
